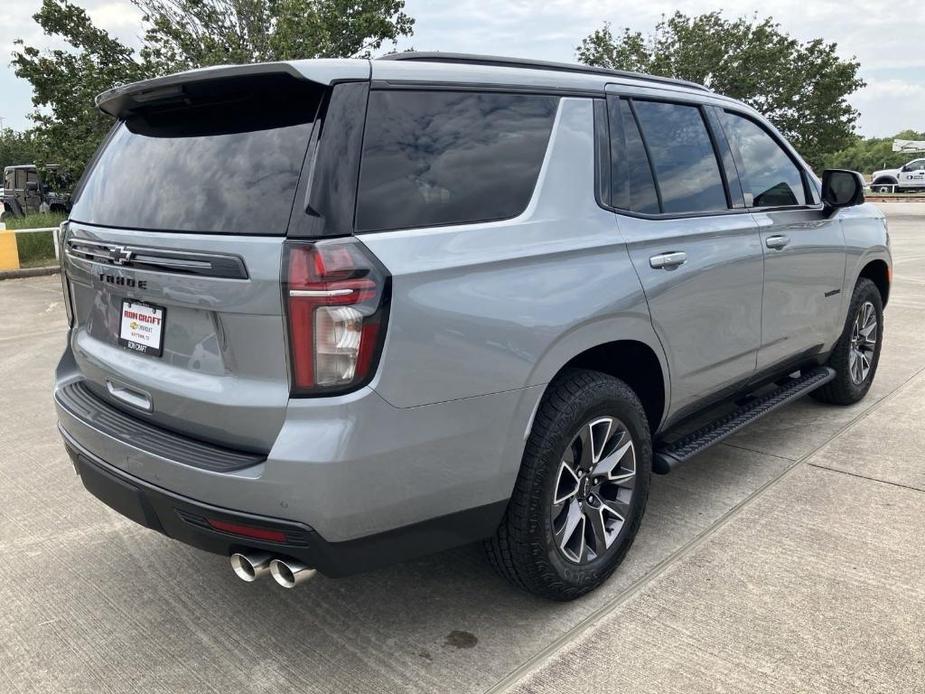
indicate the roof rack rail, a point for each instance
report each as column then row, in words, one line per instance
column 503, row 61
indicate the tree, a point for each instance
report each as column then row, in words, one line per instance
column 65, row 83
column 15, row 148
column 179, row 35
column 801, row 87
column 194, row 33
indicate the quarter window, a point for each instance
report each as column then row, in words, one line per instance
column 633, row 184
column 770, row 177
column 433, row 158
column 682, row 155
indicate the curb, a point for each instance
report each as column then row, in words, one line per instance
column 29, row 272
column 884, row 198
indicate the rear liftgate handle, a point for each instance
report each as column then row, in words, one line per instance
column 130, row 396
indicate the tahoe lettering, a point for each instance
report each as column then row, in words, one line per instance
column 123, row 281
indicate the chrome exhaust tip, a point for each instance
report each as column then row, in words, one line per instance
column 289, row 574
column 250, row 567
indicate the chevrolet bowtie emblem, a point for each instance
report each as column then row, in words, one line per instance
column 120, row 255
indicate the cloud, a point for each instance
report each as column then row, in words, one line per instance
column 890, row 105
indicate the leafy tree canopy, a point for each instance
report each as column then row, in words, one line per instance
column 15, row 148
column 800, row 87
column 180, row 35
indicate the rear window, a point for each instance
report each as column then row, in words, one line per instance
column 433, row 158
column 226, row 160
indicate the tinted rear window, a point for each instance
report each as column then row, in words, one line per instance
column 683, row 158
column 634, row 187
column 433, row 158
column 228, row 162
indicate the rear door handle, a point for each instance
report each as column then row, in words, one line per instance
column 668, row 261
column 777, row 241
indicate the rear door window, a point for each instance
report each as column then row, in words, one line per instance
column 227, row 163
column 770, row 177
column 633, row 184
column 682, row 155
column 438, row 157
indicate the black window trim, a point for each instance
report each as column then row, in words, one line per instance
column 786, row 149
column 411, row 85
column 603, row 163
column 728, row 165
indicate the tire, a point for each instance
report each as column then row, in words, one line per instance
column 884, row 187
column 584, row 417
column 851, row 384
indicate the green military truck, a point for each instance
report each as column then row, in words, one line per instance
column 25, row 192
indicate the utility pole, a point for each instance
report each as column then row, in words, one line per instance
column 1, row 122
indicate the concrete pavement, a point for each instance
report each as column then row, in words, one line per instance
column 788, row 558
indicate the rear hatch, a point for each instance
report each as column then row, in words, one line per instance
column 174, row 247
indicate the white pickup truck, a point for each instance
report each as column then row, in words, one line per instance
column 908, row 176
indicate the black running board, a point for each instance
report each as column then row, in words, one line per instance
column 669, row 455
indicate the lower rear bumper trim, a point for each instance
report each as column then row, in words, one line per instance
column 184, row 519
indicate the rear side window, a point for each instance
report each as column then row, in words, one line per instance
column 227, row 160
column 682, row 156
column 432, row 158
column 633, row 184
column 770, row 178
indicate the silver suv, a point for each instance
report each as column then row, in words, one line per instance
column 331, row 314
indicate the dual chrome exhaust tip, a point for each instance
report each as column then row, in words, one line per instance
column 286, row 572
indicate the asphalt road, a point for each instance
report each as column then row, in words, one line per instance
column 789, row 558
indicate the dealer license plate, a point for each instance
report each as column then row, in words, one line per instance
column 141, row 327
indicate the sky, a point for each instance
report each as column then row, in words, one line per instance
column 887, row 39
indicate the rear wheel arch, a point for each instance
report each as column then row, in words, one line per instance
column 636, row 364
column 885, row 180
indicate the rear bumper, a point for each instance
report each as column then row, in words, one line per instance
column 187, row 520
column 368, row 483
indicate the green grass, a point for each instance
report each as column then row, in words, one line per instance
column 33, row 221
column 36, row 249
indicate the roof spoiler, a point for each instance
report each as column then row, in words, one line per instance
column 123, row 100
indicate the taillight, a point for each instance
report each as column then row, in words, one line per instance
column 337, row 298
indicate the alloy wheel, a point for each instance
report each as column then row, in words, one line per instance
column 594, row 489
column 863, row 343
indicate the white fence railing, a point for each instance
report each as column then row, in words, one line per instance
column 53, row 230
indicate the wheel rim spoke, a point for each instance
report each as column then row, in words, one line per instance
column 571, row 536
column 566, row 484
column 599, row 534
column 619, row 466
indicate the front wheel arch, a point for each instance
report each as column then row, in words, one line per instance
column 878, row 272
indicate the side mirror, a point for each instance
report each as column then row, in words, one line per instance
column 32, row 186
column 841, row 188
